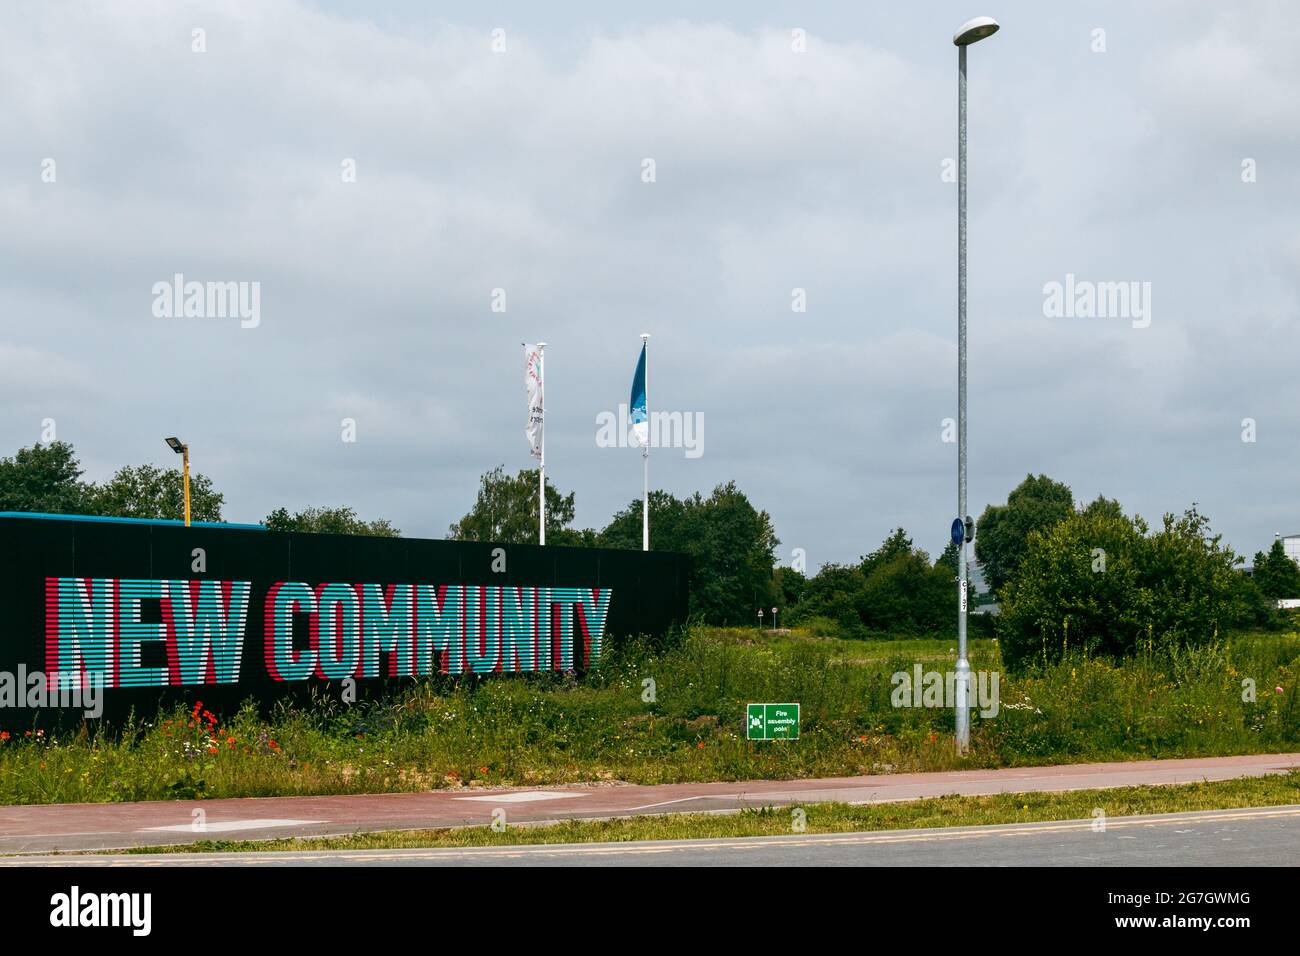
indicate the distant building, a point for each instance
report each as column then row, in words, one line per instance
column 1291, row 545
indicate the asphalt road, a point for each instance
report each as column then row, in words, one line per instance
column 1266, row 836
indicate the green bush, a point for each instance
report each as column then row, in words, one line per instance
column 819, row 626
column 1100, row 583
column 894, row 590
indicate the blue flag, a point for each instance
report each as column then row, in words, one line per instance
column 637, row 404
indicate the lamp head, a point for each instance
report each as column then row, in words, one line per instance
column 975, row 30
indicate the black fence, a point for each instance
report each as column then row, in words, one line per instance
column 109, row 615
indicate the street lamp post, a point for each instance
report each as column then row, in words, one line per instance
column 541, row 466
column 183, row 450
column 970, row 32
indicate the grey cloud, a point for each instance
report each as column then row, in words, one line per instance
column 775, row 170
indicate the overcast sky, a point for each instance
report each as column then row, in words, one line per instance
column 522, row 169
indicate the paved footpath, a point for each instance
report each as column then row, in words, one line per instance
column 94, row 826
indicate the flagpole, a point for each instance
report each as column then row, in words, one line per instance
column 541, row 470
column 645, row 452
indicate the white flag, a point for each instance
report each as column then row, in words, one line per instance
column 536, row 405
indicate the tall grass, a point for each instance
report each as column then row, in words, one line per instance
column 675, row 713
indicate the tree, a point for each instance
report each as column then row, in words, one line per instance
column 572, row 537
column 734, row 555
column 908, row 595
column 893, row 547
column 833, row 594
column 731, row 543
column 1002, row 536
column 145, row 491
column 1102, row 505
column 342, row 520
column 950, row 559
column 667, row 525
column 894, row 589
column 43, row 478
column 505, row 510
column 790, row 586
column 1120, row 587
column 1277, row 575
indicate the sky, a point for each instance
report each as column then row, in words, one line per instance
column 378, row 170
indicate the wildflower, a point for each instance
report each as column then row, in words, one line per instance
column 4, row 735
column 1277, row 690
column 482, row 770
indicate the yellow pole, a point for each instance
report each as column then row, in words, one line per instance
column 185, row 465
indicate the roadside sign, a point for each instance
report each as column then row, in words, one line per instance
column 958, row 531
column 772, row 722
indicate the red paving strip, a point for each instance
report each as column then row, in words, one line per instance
column 87, row 826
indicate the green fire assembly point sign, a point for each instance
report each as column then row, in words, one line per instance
column 772, row 721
